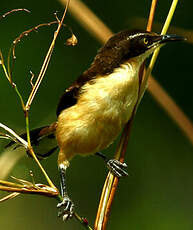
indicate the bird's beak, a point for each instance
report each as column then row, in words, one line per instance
column 164, row 39
column 171, row 38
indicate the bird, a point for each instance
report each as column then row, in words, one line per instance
column 94, row 109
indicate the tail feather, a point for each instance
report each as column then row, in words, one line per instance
column 42, row 139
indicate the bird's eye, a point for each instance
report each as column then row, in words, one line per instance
column 145, row 41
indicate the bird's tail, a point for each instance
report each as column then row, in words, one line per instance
column 42, row 139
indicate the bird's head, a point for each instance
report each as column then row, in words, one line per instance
column 124, row 46
column 127, row 44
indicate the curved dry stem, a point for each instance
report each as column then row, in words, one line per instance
column 13, row 11
column 12, row 51
column 27, row 32
column 46, row 61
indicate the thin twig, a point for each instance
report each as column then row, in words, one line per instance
column 12, row 11
column 83, row 221
column 12, row 51
column 46, row 61
column 151, row 15
column 27, row 32
column 31, row 79
column 10, row 196
column 10, row 131
column 156, row 52
column 7, row 74
column 45, row 192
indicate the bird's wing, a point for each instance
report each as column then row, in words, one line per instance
column 68, row 98
column 104, row 63
column 70, row 95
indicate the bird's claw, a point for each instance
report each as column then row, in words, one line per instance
column 117, row 167
column 67, row 208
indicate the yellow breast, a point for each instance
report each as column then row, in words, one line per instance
column 100, row 113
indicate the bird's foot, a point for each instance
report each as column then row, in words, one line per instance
column 117, row 167
column 66, row 208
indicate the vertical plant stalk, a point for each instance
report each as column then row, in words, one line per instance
column 111, row 182
column 156, row 52
column 26, row 107
column 34, row 91
column 151, row 15
column 10, row 80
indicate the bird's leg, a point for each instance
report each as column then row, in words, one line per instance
column 66, row 206
column 115, row 166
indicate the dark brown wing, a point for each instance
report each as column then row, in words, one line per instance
column 70, row 95
column 101, row 66
column 68, row 99
column 109, row 57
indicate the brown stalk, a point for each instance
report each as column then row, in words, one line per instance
column 102, row 218
column 151, row 15
column 101, row 221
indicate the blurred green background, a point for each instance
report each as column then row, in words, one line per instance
column 158, row 194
